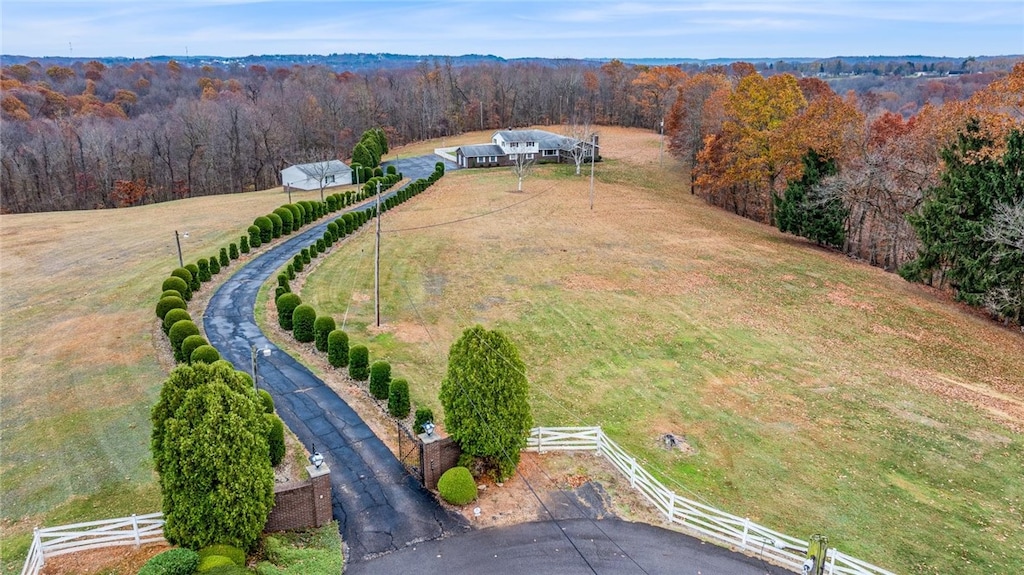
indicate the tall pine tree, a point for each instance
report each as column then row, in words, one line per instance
column 804, row 211
column 961, row 241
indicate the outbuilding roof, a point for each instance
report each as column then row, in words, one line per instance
column 315, row 170
column 481, row 150
column 545, row 140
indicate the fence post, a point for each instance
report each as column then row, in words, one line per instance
column 540, row 434
column 135, row 530
column 38, row 546
column 746, row 529
column 632, row 472
column 832, row 561
column 671, row 506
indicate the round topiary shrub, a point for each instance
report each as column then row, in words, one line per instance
column 228, row 570
column 224, row 259
column 297, row 215
column 380, row 379
column 322, row 328
column 233, row 251
column 187, row 276
column 321, row 245
column 172, row 562
column 179, row 285
column 286, row 305
column 177, row 334
column 266, row 228
column 213, row 561
column 171, row 293
column 204, row 354
column 457, row 486
column 282, row 279
column 276, row 223
column 214, row 266
column 333, row 228
column 303, row 318
column 266, row 400
column 255, row 236
column 166, row 304
column 358, row 362
column 398, row 398
column 204, row 269
column 297, row 263
column 173, row 316
column 190, row 344
column 279, row 291
column 286, row 220
column 236, row 555
column 423, row 415
column 337, row 348
column 275, row 437
column 243, row 244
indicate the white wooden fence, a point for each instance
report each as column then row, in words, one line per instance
column 53, row 541
column 708, row 522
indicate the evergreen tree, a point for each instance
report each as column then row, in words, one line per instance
column 804, row 211
column 962, row 241
column 484, row 394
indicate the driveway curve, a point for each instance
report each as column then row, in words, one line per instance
column 379, row 506
column 389, row 521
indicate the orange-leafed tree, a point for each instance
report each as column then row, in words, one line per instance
column 698, row 112
column 655, row 87
column 129, row 192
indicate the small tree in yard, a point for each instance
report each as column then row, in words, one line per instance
column 380, row 379
column 398, row 398
column 216, row 480
column 484, row 394
column 521, row 167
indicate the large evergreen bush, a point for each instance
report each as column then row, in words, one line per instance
column 398, row 398
column 358, row 362
column 286, row 305
column 266, row 228
column 337, row 348
column 303, row 318
column 380, row 379
column 322, row 328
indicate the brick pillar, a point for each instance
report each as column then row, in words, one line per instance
column 437, row 455
column 321, row 494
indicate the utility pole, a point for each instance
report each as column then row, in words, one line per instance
column 593, row 152
column 376, row 262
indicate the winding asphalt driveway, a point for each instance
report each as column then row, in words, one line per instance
column 382, row 509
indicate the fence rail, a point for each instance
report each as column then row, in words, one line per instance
column 53, row 541
column 707, row 521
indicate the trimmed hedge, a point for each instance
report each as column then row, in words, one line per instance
column 337, row 348
column 204, row 354
column 192, row 343
column 266, row 228
column 233, row 251
column 359, row 362
column 322, row 328
column 305, row 256
column 224, row 259
column 303, row 318
column 286, row 305
column 214, row 266
column 380, row 378
column 173, row 316
column 177, row 334
column 171, row 293
column 236, row 555
column 398, row 398
column 179, row 285
column 457, row 486
column 286, row 219
column 275, row 437
column 279, row 291
column 423, row 415
column 297, row 216
column 172, row 562
column 321, row 245
column 297, row 263
column 243, row 243
column 211, row 562
column 166, row 304
column 195, row 284
column 266, row 400
column 276, row 223
column 204, row 269
column 255, row 236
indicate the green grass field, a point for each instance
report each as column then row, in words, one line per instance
column 822, row 395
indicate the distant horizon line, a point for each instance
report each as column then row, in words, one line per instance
column 493, row 56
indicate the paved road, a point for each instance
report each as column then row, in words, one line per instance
column 379, row 506
column 389, row 522
column 542, row 548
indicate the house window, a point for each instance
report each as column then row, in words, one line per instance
column 514, row 145
column 329, row 179
column 531, row 144
column 513, row 157
column 550, row 152
column 494, row 158
column 529, row 156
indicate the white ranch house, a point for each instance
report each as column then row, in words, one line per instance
column 317, row 175
column 539, row 146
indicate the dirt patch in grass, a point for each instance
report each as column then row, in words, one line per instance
column 110, row 561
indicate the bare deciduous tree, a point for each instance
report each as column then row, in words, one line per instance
column 521, row 167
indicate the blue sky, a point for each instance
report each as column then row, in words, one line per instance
column 548, row 28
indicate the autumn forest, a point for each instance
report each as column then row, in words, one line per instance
column 873, row 165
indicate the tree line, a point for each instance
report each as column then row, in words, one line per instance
column 89, row 135
column 935, row 194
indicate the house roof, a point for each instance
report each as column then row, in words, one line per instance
column 315, row 170
column 479, row 150
column 545, row 140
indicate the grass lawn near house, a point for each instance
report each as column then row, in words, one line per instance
column 821, row 395
column 83, row 355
